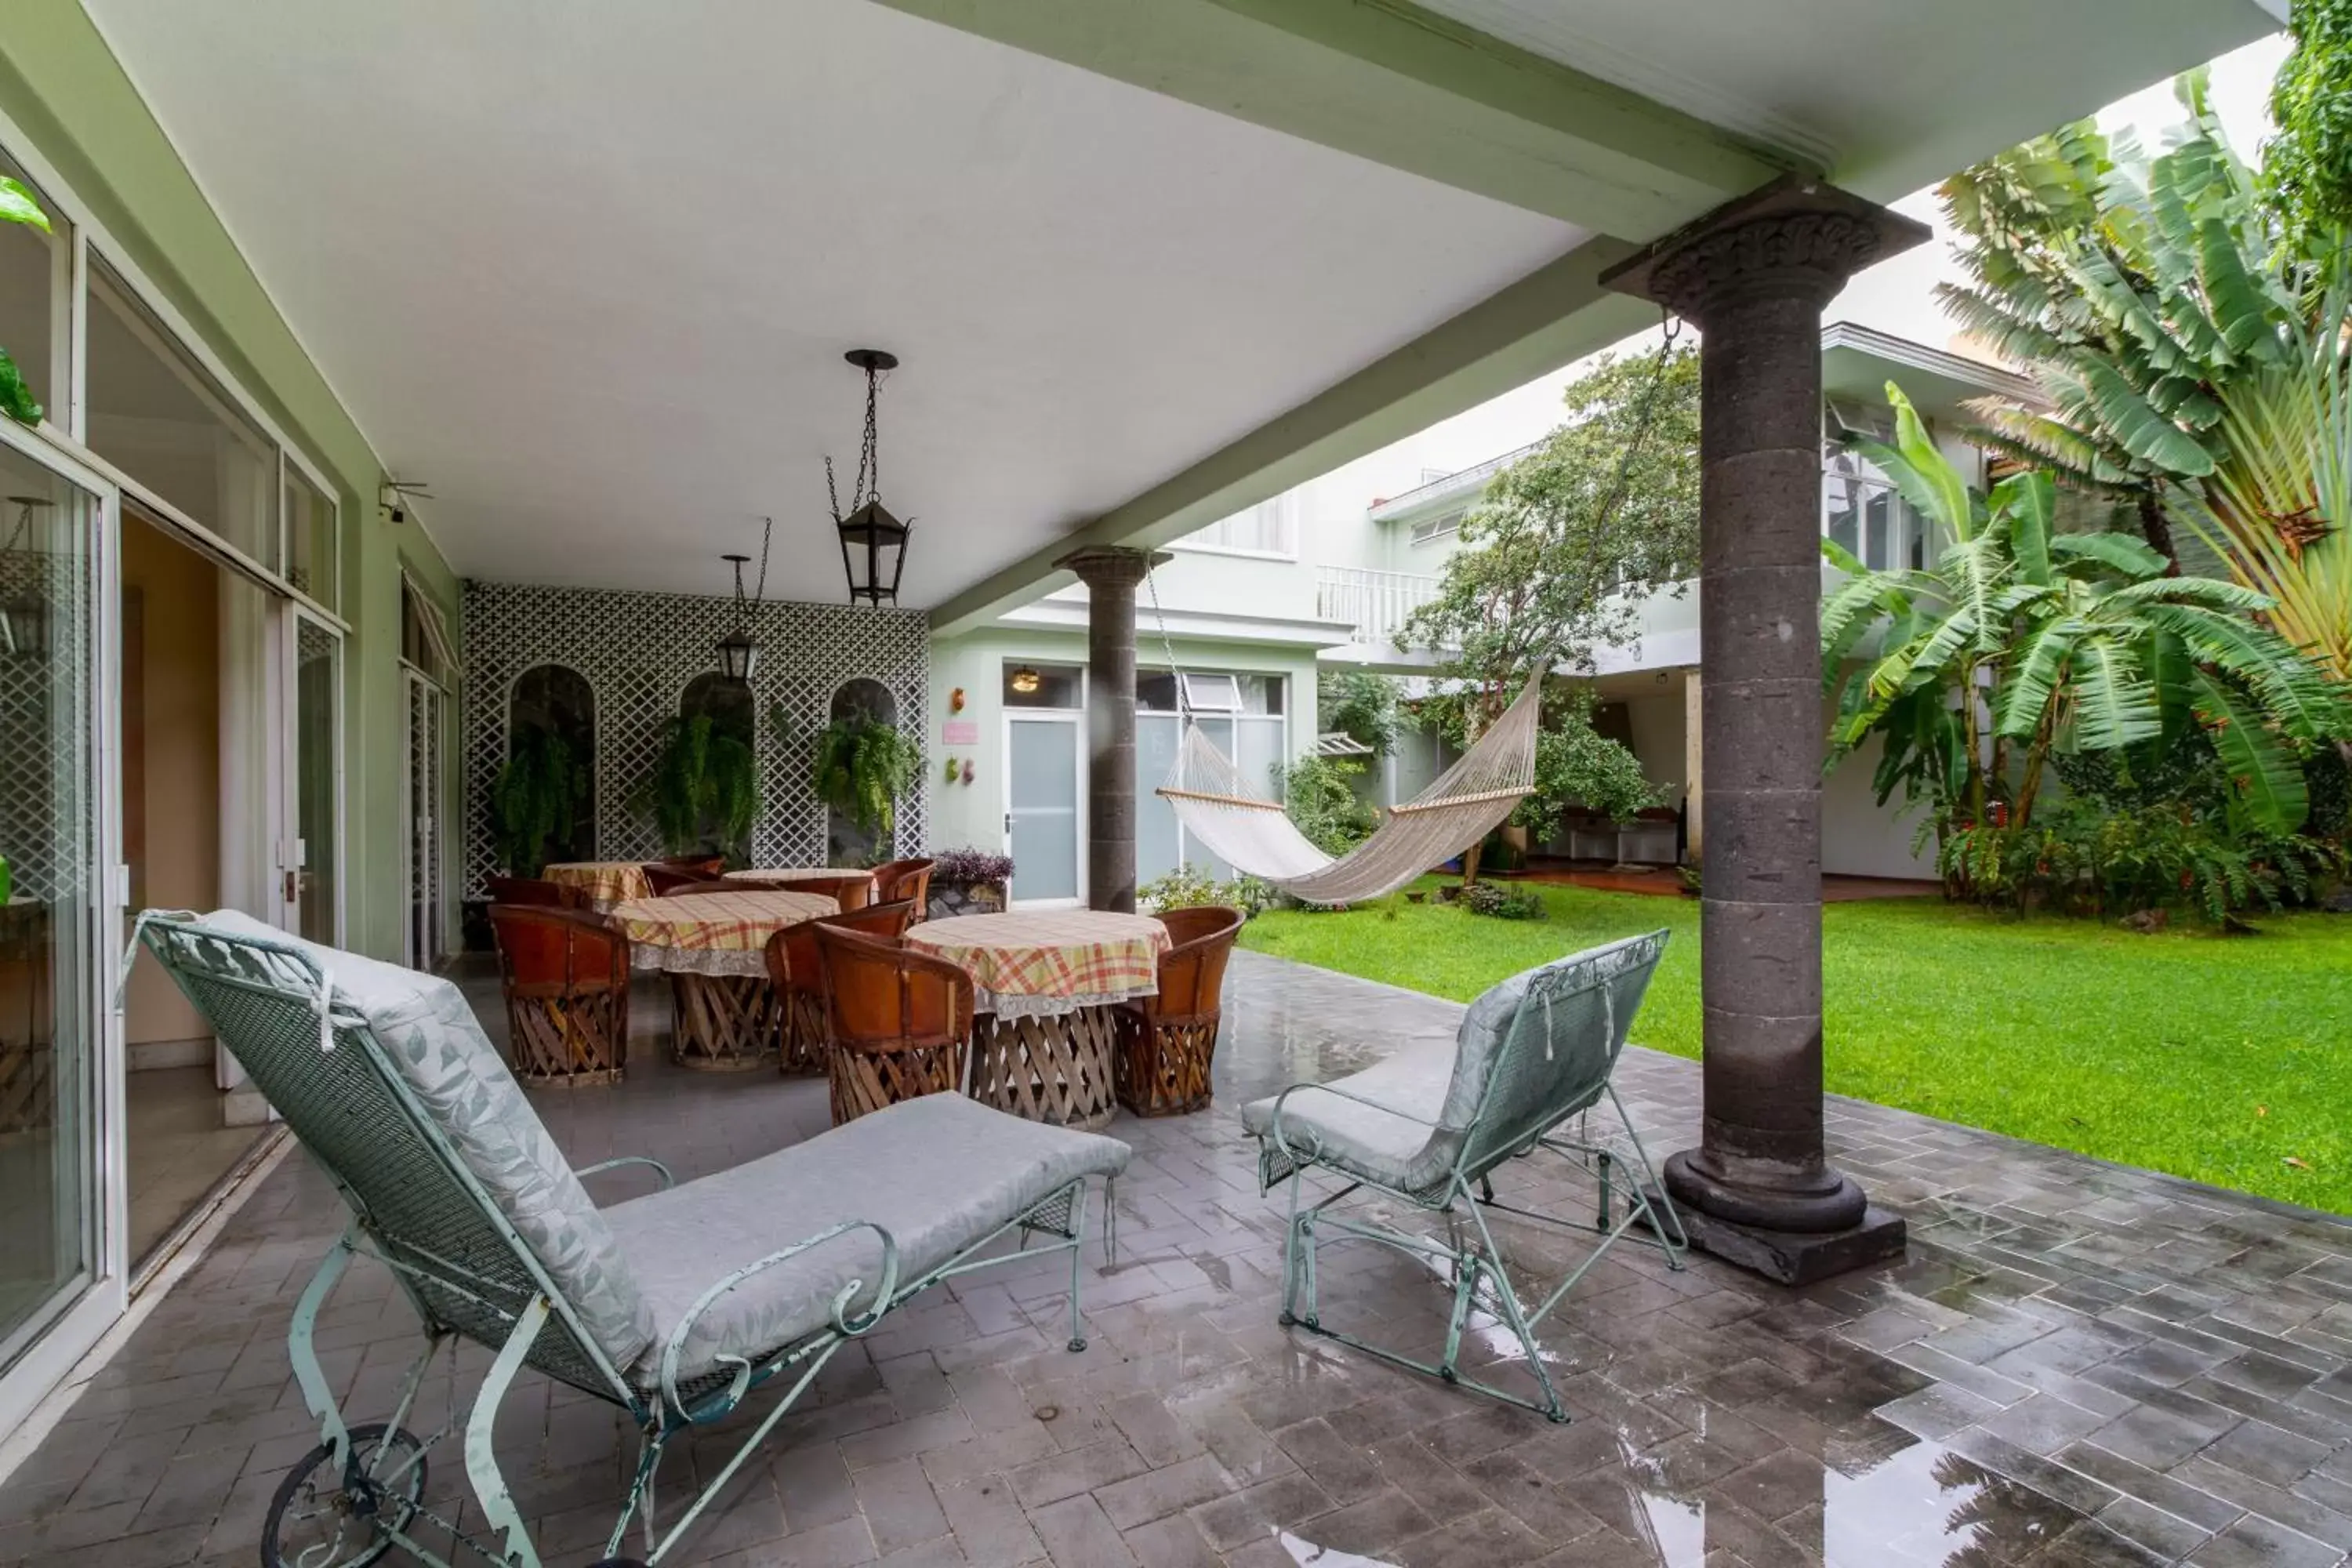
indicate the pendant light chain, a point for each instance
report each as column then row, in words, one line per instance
column 869, row 457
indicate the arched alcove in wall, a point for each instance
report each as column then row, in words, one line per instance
column 847, row 844
column 558, row 700
column 727, row 704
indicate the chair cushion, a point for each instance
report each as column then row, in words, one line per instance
column 1389, row 1151
column 938, row 1173
column 426, row 1027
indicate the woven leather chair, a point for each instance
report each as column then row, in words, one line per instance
column 850, row 890
column 796, row 968
column 708, row 865
column 666, row 880
column 532, row 890
column 900, row 1022
column 566, row 975
column 715, row 884
column 1167, row 1043
column 907, row 879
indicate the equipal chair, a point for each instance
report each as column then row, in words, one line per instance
column 681, row 1307
column 534, row 892
column 1168, row 1042
column 566, row 976
column 796, row 968
column 900, row 1023
column 666, row 880
column 1427, row 1127
column 907, row 879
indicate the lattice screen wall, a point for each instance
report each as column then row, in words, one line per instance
column 638, row 651
column 44, row 703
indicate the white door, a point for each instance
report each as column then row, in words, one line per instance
column 62, row 1269
column 422, row 801
column 1044, row 822
column 310, row 855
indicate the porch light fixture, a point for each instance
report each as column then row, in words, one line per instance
column 873, row 543
column 24, row 613
column 1024, row 681
column 739, row 651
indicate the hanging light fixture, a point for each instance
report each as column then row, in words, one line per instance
column 739, row 651
column 24, row 611
column 1025, row 679
column 873, row 543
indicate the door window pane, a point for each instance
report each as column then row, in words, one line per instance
column 318, row 695
column 1043, row 800
column 36, row 282
column 1157, row 737
column 1218, row 732
column 49, row 1033
column 311, row 538
column 155, row 415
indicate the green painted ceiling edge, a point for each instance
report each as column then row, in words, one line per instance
column 1391, row 82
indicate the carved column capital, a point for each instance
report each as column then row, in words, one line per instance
column 1794, row 238
column 1112, row 565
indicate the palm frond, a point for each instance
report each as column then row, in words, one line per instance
column 2270, row 784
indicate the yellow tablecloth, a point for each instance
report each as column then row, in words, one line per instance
column 712, row 933
column 799, row 874
column 607, row 882
column 1056, row 961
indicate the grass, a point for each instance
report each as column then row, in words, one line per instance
column 2226, row 1059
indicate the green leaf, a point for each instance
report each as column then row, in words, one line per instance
column 2033, row 683
column 2030, row 501
column 2135, row 558
column 2240, row 308
column 16, row 399
column 1925, row 475
column 2115, row 705
column 2270, row 783
column 17, row 206
column 2144, row 432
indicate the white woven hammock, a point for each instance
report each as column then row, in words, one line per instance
column 1467, row 802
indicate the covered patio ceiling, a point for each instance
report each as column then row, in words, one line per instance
column 589, row 269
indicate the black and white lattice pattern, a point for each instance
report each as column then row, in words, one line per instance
column 637, row 652
column 45, row 821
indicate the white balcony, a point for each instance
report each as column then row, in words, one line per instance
column 1375, row 603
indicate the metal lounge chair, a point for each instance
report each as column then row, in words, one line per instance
column 676, row 1306
column 1429, row 1125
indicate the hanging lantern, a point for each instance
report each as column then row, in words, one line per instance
column 739, row 651
column 1024, row 681
column 872, row 541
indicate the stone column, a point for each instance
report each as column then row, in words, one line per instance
column 1110, row 575
column 1753, row 277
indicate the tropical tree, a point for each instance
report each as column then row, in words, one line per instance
column 2021, row 641
column 2307, row 166
column 1360, row 705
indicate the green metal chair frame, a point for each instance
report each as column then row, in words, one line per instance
column 1543, row 1072
column 419, row 1210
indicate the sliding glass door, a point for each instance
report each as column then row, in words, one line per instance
column 58, row 1283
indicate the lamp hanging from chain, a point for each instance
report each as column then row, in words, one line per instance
column 23, row 607
column 873, row 543
column 739, row 651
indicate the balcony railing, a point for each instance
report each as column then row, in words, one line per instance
column 1375, row 603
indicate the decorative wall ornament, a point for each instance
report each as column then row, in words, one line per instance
column 639, row 652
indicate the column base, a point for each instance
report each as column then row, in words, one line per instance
column 1791, row 1257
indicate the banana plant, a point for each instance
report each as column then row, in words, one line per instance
column 16, row 399
column 2021, row 640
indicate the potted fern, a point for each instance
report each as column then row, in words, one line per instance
column 863, row 767
column 704, row 791
column 537, row 798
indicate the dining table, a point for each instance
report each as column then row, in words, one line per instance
column 607, row 883
column 713, row 947
column 1047, row 985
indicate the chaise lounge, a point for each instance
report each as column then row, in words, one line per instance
column 675, row 1305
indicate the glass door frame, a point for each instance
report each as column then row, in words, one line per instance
column 48, row 1345
column 425, row 923
column 1076, row 718
column 293, row 853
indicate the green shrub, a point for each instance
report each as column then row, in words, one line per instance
column 1185, row 887
column 1501, row 902
column 2087, row 857
column 1317, row 793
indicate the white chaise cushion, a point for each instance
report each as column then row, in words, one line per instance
column 428, row 1030
column 938, row 1173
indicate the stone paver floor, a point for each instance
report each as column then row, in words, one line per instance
column 2077, row 1364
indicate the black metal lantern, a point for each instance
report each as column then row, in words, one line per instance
column 739, row 651
column 24, row 613
column 872, row 541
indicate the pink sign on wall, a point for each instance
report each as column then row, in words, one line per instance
column 960, row 733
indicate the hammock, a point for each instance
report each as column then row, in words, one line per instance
column 1468, row 801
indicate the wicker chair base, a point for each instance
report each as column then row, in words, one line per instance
column 807, row 1050
column 722, row 1023
column 1163, row 1069
column 874, row 1080
column 583, row 1040
column 1055, row 1068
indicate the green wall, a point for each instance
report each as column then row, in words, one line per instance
column 69, row 98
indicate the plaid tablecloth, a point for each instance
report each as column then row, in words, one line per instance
column 711, row 933
column 798, row 874
column 607, row 882
column 1025, row 966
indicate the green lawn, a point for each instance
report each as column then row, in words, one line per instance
column 2221, row 1059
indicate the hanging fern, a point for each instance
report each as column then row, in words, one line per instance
column 705, row 789
column 862, row 768
column 537, row 798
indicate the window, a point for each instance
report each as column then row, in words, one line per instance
column 1863, row 514
column 155, row 415
column 1030, row 685
column 1248, row 727
column 36, row 300
column 1437, row 527
column 311, row 538
column 1211, row 693
column 424, row 640
column 1269, row 528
